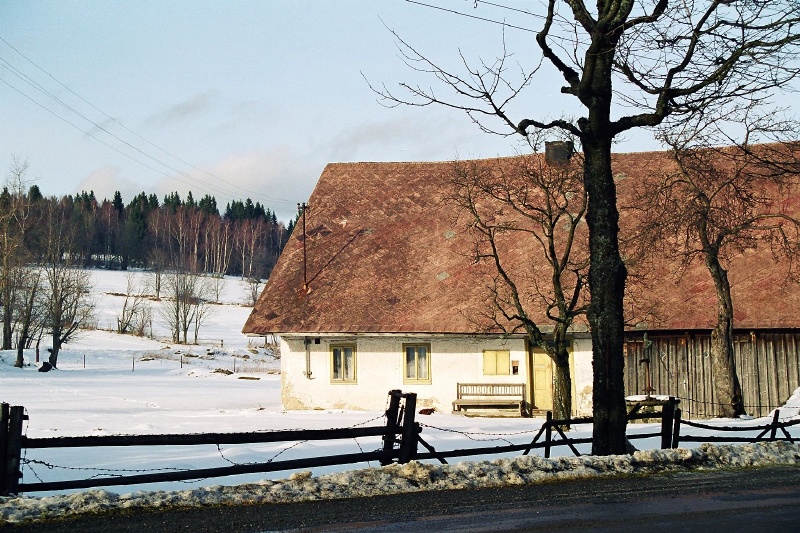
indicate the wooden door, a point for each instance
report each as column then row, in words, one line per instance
column 542, row 386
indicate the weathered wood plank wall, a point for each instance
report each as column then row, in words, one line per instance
column 768, row 365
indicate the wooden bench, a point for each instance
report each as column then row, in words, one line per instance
column 490, row 395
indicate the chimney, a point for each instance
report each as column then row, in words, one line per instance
column 558, row 151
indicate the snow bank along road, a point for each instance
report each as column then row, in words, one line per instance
column 402, row 479
column 729, row 500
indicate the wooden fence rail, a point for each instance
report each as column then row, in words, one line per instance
column 772, row 428
column 399, row 423
column 553, row 435
column 401, row 440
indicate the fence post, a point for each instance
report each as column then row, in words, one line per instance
column 676, row 429
column 548, row 434
column 4, row 417
column 391, row 426
column 13, row 452
column 408, row 439
column 667, row 416
column 775, row 422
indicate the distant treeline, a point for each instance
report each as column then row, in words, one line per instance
column 191, row 235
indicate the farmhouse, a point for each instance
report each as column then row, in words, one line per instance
column 379, row 289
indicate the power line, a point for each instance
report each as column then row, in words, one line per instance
column 516, row 9
column 39, row 87
column 91, row 135
column 501, row 23
column 455, row 12
column 556, row 15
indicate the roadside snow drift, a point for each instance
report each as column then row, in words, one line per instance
column 411, row 477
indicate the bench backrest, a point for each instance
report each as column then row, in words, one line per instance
column 491, row 389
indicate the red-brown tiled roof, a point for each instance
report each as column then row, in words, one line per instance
column 386, row 254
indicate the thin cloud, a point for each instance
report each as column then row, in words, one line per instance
column 106, row 180
column 413, row 137
column 278, row 178
column 195, row 106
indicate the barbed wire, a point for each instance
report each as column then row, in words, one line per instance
column 298, row 443
column 469, row 434
column 771, row 407
column 119, row 472
column 51, row 466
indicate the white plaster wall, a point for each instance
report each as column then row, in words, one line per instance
column 379, row 369
column 582, row 375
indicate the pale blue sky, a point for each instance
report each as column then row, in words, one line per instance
column 252, row 97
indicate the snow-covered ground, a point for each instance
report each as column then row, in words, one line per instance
column 109, row 384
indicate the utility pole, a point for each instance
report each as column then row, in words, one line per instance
column 302, row 207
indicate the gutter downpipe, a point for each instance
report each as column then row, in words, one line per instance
column 308, row 372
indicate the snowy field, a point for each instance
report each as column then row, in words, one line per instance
column 109, row 384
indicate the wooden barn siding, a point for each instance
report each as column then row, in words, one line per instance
column 768, row 365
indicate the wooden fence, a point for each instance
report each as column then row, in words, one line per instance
column 401, row 442
column 767, row 432
column 552, row 434
column 398, row 435
column 679, row 364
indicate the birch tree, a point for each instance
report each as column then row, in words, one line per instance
column 14, row 213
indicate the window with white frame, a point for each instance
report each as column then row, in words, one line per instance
column 417, row 358
column 343, row 363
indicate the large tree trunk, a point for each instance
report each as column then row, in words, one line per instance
column 607, row 276
column 562, row 379
column 23, row 339
column 562, row 386
column 727, row 389
column 53, row 359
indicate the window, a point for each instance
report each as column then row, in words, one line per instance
column 343, row 363
column 496, row 363
column 417, row 363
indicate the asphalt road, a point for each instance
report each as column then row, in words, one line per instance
column 752, row 500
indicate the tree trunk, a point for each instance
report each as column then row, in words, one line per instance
column 24, row 338
column 562, row 386
column 607, row 275
column 7, row 311
column 53, row 359
column 558, row 352
column 20, row 362
column 727, row 389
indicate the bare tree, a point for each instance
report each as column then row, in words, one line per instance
column 203, row 307
column 719, row 202
column 66, row 289
column 253, row 291
column 186, row 305
column 135, row 309
column 525, row 200
column 668, row 62
column 14, row 213
column 218, row 248
column 29, row 312
column 157, row 261
column 69, row 304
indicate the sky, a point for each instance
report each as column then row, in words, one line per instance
column 242, row 99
